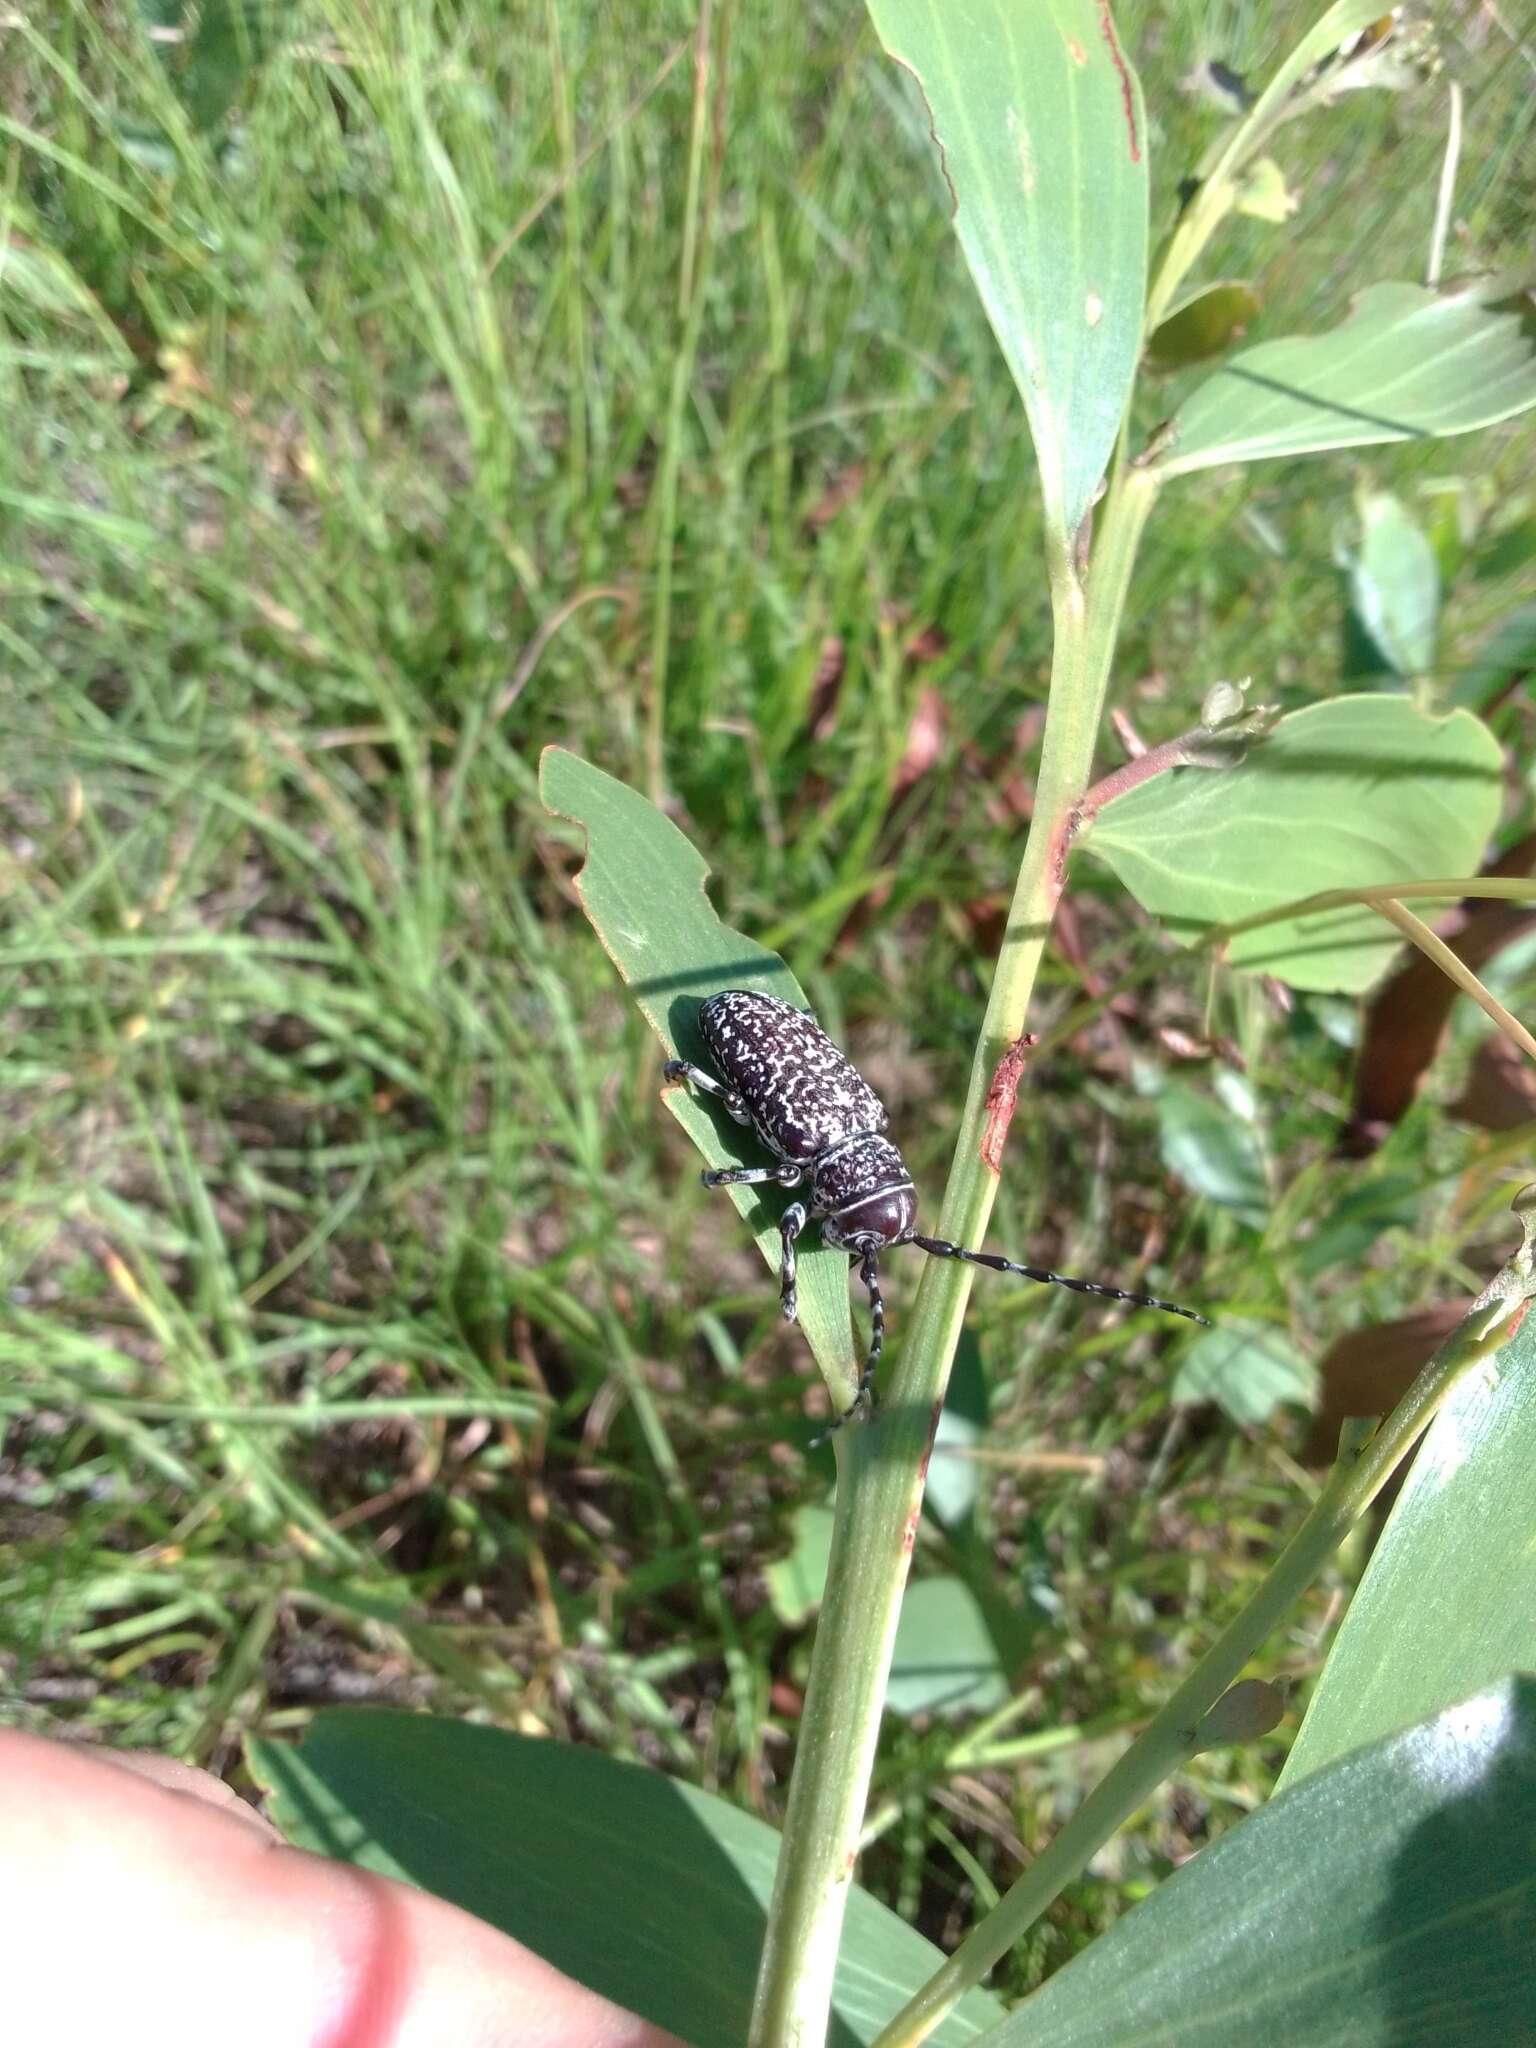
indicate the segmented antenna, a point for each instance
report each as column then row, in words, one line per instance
column 942, row 1249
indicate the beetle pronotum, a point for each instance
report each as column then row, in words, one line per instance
column 821, row 1119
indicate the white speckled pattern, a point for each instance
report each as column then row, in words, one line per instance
column 812, row 1109
column 802, row 1093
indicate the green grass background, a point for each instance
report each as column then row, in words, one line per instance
column 432, row 400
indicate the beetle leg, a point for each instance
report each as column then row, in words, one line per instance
column 730, row 1101
column 864, row 1399
column 786, row 1173
column 791, row 1223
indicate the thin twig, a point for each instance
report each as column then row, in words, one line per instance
column 1450, row 964
column 1200, row 743
column 533, row 653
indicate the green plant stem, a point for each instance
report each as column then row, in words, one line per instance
column 1223, row 164
column 1496, row 888
column 883, row 1466
column 1385, row 898
column 1456, row 970
column 1169, row 1738
column 975, row 1752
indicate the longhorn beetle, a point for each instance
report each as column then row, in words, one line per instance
column 819, row 1117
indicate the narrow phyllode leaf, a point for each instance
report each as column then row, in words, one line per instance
column 1408, row 364
column 1345, row 794
column 1038, row 117
column 652, row 1892
column 1231, row 173
column 1448, row 1601
column 642, row 886
column 1387, row 1902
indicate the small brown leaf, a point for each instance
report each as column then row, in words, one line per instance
column 1369, row 1371
column 925, row 742
column 1407, row 1016
column 821, row 714
column 987, row 917
column 1500, row 1094
column 927, row 644
column 840, row 492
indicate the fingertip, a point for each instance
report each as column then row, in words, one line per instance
column 134, row 1891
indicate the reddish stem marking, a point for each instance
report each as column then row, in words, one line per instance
column 1002, row 1095
column 1127, row 97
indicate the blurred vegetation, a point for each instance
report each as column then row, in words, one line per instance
column 389, row 392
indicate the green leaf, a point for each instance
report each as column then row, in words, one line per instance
column 211, row 51
column 1448, row 1601
column 1394, row 584
column 1387, row 1902
column 945, row 1661
column 1039, row 119
column 41, row 280
column 1356, row 1223
column 1247, row 1368
column 1202, row 324
column 796, row 1582
column 1263, row 194
column 1356, row 791
column 649, row 1891
column 954, row 1474
column 1508, row 551
column 1214, row 1152
column 1508, row 653
column 642, row 886
column 1407, row 365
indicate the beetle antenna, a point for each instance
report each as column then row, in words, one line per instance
column 940, row 1249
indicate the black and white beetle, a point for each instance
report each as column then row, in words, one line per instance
column 819, row 1116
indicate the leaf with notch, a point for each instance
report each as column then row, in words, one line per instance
column 642, row 887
